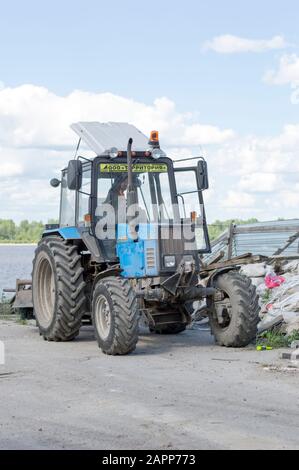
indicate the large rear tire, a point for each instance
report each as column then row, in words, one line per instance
column 58, row 289
column 234, row 318
column 115, row 316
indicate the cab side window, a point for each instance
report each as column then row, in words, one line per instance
column 186, row 184
column 84, row 193
column 68, row 204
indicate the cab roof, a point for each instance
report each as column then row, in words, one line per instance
column 101, row 137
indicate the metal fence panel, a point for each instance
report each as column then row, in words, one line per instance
column 262, row 238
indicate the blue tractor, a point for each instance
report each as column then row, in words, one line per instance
column 129, row 244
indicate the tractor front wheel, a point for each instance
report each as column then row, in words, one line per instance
column 115, row 316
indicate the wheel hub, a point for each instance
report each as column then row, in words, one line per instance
column 45, row 292
column 223, row 310
column 102, row 316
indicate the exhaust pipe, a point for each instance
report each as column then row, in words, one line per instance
column 132, row 199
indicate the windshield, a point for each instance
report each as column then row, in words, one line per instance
column 151, row 182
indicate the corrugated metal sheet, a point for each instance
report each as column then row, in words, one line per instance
column 262, row 238
column 217, row 245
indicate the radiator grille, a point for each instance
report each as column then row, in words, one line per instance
column 150, row 258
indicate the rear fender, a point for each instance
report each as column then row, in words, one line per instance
column 218, row 272
column 67, row 233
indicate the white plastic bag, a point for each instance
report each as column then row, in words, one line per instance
column 292, row 267
column 254, row 270
column 257, row 281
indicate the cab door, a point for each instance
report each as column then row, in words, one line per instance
column 67, row 203
column 191, row 206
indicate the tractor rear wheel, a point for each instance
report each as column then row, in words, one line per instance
column 234, row 317
column 115, row 315
column 58, row 289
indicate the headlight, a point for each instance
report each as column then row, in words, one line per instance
column 113, row 152
column 158, row 153
column 169, row 261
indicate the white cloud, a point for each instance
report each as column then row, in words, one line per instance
column 259, row 182
column 264, row 155
column 8, row 169
column 290, row 199
column 28, row 198
column 288, row 139
column 257, row 177
column 35, row 142
column 230, row 44
column 33, row 117
column 238, row 200
column 287, row 72
column 200, row 134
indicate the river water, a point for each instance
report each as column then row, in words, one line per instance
column 15, row 262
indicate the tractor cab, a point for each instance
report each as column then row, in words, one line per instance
column 133, row 206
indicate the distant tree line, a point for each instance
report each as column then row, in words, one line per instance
column 24, row 232
column 30, row 232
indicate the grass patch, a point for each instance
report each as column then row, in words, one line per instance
column 275, row 339
column 294, row 336
column 266, row 296
column 22, row 321
column 5, row 309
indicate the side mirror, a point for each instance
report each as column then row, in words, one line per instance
column 55, row 182
column 202, row 175
column 74, row 175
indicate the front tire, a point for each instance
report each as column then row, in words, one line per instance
column 115, row 316
column 234, row 318
column 58, row 289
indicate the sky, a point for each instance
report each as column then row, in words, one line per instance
column 215, row 78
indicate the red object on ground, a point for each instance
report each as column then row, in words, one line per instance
column 272, row 281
